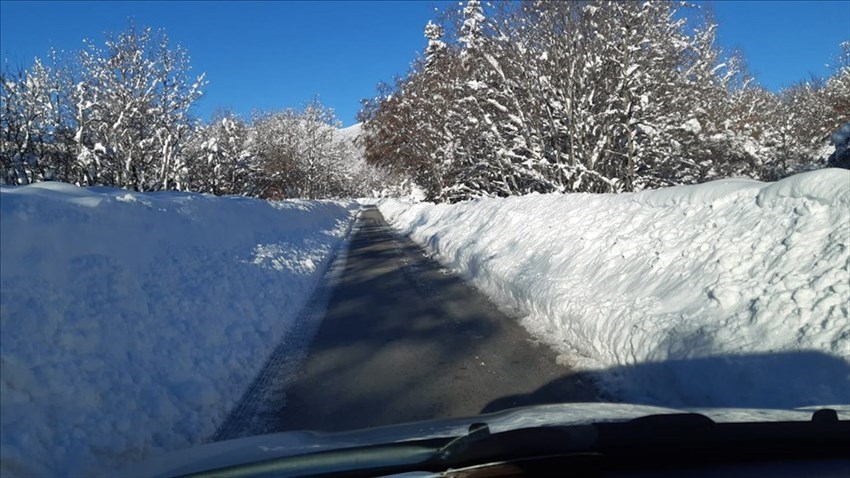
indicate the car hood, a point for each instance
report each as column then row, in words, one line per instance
column 284, row 444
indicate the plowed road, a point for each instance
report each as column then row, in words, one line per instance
column 404, row 340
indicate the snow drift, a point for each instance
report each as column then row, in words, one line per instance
column 730, row 293
column 132, row 323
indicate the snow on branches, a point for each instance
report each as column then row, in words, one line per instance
column 597, row 96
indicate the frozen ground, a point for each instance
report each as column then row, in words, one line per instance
column 733, row 293
column 132, row 323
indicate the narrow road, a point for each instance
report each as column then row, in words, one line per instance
column 405, row 340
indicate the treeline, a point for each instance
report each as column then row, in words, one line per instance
column 120, row 115
column 534, row 96
column 591, row 96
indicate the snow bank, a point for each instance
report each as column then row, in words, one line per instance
column 132, row 323
column 731, row 293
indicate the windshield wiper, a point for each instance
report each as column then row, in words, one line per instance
column 653, row 442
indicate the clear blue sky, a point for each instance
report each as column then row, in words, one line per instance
column 268, row 55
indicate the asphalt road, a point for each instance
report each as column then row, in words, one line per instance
column 404, row 340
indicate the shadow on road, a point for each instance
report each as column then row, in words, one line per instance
column 404, row 340
column 781, row 380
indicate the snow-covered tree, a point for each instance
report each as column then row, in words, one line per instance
column 217, row 158
column 472, row 30
column 299, row 153
column 34, row 136
column 598, row 96
column 119, row 115
column 132, row 108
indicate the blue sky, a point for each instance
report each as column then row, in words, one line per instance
column 270, row 55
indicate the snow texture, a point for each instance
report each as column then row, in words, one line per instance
column 132, row 323
column 733, row 293
column 350, row 133
column 258, row 412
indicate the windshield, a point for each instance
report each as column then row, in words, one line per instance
column 224, row 219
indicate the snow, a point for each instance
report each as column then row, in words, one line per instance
column 132, row 323
column 350, row 133
column 733, row 293
column 691, row 126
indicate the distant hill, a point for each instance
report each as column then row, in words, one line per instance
column 351, row 132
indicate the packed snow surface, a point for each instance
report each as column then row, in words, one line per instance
column 132, row 323
column 733, row 293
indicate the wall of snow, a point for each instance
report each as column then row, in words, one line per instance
column 132, row 323
column 731, row 293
